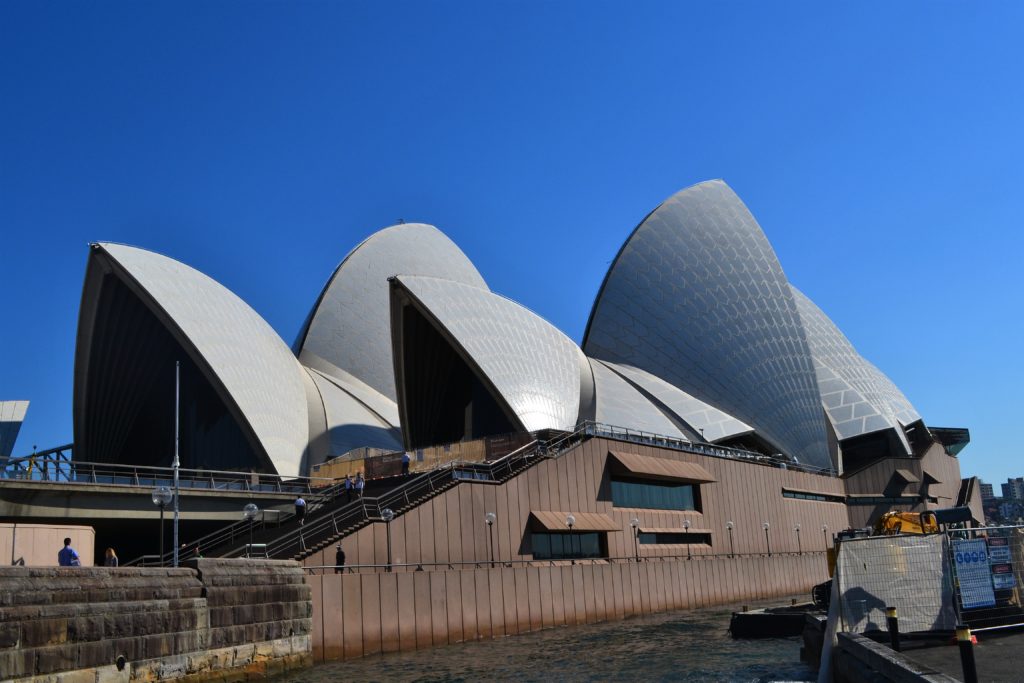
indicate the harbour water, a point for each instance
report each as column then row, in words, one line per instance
column 678, row 646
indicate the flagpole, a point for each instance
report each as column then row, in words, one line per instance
column 177, row 463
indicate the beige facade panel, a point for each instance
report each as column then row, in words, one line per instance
column 37, row 545
column 585, row 521
column 906, row 475
column 579, row 481
column 494, row 602
column 661, row 467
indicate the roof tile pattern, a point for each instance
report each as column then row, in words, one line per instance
column 350, row 325
column 621, row 405
column 534, row 366
column 858, row 397
column 697, row 297
column 711, row 423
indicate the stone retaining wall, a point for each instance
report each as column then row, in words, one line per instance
column 208, row 620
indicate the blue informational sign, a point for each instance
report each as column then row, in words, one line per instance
column 973, row 573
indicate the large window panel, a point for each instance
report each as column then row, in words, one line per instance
column 673, row 538
column 654, row 495
column 566, row 546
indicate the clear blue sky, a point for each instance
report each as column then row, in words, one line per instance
column 878, row 144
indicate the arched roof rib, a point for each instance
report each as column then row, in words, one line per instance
column 696, row 297
column 349, row 327
column 531, row 365
column 248, row 365
column 858, row 397
column 620, row 404
column 705, row 421
column 350, row 424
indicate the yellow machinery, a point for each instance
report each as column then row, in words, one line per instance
column 895, row 522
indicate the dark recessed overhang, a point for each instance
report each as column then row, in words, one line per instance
column 953, row 439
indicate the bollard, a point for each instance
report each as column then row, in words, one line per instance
column 963, row 639
column 893, row 623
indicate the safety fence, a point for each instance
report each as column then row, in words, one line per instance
column 935, row 581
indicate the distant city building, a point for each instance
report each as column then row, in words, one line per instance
column 987, row 496
column 1013, row 489
column 12, row 414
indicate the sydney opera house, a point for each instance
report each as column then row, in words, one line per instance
column 695, row 334
column 724, row 412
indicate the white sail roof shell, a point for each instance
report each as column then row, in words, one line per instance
column 350, row 423
column 12, row 414
column 350, row 325
column 256, row 368
column 697, row 297
column 619, row 404
column 705, row 421
column 534, row 367
column 858, row 397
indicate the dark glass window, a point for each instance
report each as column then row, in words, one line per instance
column 808, row 495
column 882, row 500
column 566, row 546
column 666, row 538
column 651, row 494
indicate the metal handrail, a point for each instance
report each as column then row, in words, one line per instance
column 601, row 429
column 361, row 512
column 41, row 467
column 241, row 530
column 483, row 564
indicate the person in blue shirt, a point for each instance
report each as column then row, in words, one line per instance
column 300, row 510
column 67, row 557
column 405, row 462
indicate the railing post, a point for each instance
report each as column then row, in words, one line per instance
column 966, row 642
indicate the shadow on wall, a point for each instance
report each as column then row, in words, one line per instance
column 861, row 604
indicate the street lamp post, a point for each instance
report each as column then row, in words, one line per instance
column 176, row 463
column 249, row 512
column 635, row 523
column 824, row 534
column 570, row 521
column 728, row 527
column 387, row 514
column 161, row 497
column 767, row 541
column 490, row 518
column 799, row 548
column 686, row 534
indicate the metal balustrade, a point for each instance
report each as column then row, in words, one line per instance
column 319, row 533
column 58, row 466
column 599, row 429
column 485, row 564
